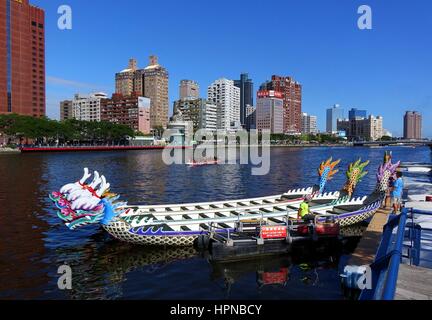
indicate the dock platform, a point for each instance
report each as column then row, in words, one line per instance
column 367, row 248
column 414, row 283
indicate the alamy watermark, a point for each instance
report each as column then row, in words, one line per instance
column 65, row 20
column 65, row 280
column 358, row 277
column 220, row 147
column 364, row 22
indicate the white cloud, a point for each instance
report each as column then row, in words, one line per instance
column 71, row 84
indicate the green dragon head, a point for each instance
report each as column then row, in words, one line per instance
column 354, row 175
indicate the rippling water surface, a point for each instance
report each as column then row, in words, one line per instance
column 34, row 242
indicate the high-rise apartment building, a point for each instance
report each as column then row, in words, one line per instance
column 150, row 82
column 22, row 58
column 369, row 129
column 155, row 87
column 88, row 108
column 246, row 95
column 144, row 115
column 309, row 124
column 412, row 125
column 131, row 110
column 226, row 96
column 189, row 89
column 270, row 111
column 66, row 110
column 126, row 81
column 333, row 114
column 292, row 96
column 200, row 112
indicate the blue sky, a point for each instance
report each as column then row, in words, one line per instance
column 386, row 70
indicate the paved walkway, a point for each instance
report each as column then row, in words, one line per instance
column 414, row 283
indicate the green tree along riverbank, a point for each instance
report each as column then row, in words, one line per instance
column 320, row 138
column 25, row 129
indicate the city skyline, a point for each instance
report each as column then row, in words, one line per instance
column 333, row 60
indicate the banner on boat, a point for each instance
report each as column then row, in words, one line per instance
column 268, row 232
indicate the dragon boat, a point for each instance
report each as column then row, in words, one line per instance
column 202, row 163
column 80, row 204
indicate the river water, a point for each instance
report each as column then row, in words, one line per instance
column 34, row 242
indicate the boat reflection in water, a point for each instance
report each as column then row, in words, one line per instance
column 110, row 266
column 308, row 264
column 113, row 267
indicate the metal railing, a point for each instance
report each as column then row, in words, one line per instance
column 414, row 235
column 385, row 268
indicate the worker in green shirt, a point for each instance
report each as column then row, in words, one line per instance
column 304, row 212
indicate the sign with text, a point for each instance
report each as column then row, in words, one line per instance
column 276, row 232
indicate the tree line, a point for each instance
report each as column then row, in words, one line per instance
column 44, row 131
column 313, row 138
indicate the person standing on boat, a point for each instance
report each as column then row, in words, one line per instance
column 396, row 193
column 304, row 212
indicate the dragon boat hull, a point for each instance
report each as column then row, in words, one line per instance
column 185, row 233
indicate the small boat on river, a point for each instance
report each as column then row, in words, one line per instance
column 202, row 163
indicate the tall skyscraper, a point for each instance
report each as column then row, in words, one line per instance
column 189, row 89
column 150, row 82
column 292, row 96
column 309, row 124
column 22, row 58
column 226, row 96
column 127, row 81
column 356, row 113
column 412, row 125
column 246, row 95
column 155, row 87
column 333, row 114
column 270, row 111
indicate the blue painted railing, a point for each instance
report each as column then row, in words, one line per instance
column 385, row 268
column 415, row 236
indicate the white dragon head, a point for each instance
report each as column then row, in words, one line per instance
column 81, row 204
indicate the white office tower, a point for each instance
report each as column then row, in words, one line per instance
column 309, row 124
column 226, row 96
column 270, row 111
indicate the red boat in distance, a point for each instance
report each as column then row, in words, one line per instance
column 207, row 162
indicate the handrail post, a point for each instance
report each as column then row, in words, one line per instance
column 385, row 267
column 393, row 268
